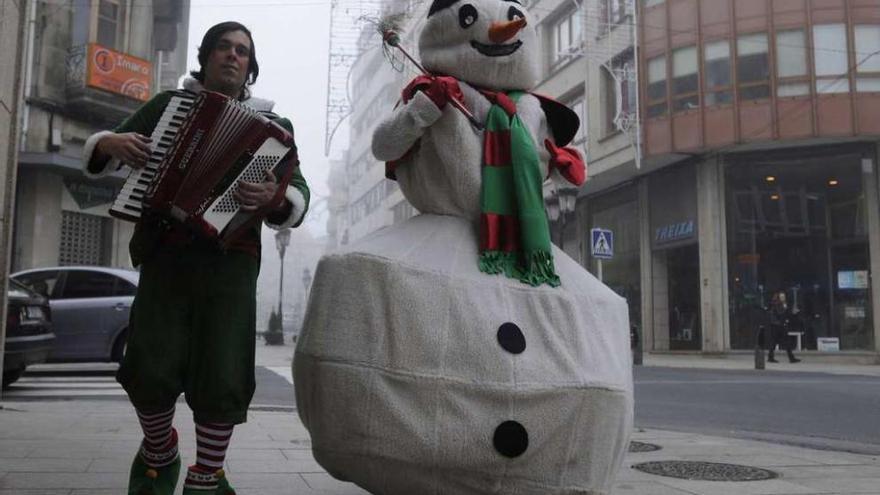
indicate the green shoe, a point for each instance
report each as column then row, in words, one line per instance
column 145, row 480
column 199, row 482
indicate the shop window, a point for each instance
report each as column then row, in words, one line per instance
column 657, row 87
column 797, row 224
column 684, row 79
column 752, row 67
column 567, row 37
column 109, row 24
column 829, row 54
column 791, row 63
column 717, row 72
column 651, row 3
column 867, row 39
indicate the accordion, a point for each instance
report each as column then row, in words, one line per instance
column 202, row 146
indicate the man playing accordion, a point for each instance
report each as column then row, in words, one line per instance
column 192, row 327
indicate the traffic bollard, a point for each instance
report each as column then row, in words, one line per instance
column 635, row 341
column 759, row 349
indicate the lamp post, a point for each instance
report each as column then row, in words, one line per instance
column 282, row 239
column 307, row 282
column 553, row 211
column 567, row 202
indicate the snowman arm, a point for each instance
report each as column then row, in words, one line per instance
column 398, row 133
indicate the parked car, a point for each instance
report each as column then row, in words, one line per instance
column 29, row 337
column 90, row 308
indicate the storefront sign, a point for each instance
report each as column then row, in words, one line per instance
column 672, row 195
column 827, row 344
column 88, row 194
column 602, row 244
column 852, row 279
column 118, row 72
column 675, row 232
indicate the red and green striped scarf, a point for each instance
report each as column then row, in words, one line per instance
column 514, row 233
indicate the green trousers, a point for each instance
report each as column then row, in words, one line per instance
column 192, row 331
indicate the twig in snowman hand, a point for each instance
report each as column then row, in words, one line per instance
column 391, row 38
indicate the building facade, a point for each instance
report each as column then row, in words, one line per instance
column 11, row 29
column 88, row 65
column 754, row 176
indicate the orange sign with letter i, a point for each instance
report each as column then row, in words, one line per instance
column 118, row 72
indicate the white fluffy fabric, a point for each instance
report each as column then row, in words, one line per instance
column 400, row 376
column 444, row 176
column 401, row 381
column 259, row 104
column 445, row 47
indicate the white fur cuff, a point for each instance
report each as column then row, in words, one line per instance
column 297, row 210
column 89, row 150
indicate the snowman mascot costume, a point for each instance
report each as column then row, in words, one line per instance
column 459, row 352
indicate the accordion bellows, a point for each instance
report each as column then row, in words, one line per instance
column 417, row 373
column 203, row 145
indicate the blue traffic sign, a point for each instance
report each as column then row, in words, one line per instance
column 602, row 244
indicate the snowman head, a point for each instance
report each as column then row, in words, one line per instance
column 487, row 43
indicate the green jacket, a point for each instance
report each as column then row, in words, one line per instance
column 147, row 237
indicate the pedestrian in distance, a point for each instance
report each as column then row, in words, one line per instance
column 779, row 321
column 192, row 327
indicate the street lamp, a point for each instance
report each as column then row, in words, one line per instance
column 282, row 239
column 307, row 282
column 560, row 206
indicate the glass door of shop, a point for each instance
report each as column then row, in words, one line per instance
column 683, row 271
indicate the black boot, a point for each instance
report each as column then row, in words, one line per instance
column 791, row 358
column 770, row 358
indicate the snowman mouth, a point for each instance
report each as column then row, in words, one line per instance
column 496, row 50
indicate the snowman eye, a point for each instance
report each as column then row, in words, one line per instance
column 467, row 16
column 514, row 13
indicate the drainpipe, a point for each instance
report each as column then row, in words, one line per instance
column 31, row 27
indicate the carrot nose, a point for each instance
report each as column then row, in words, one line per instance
column 499, row 32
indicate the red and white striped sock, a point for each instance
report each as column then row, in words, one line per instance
column 212, row 440
column 159, row 447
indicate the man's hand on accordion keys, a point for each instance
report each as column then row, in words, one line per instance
column 252, row 196
column 131, row 148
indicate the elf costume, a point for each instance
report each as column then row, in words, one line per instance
column 192, row 326
column 471, row 356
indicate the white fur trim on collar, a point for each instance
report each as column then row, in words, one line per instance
column 258, row 104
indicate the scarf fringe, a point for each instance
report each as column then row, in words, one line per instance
column 538, row 267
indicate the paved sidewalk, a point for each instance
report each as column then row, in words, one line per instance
column 85, row 447
column 746, row 361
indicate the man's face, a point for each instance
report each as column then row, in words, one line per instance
column 227, row 65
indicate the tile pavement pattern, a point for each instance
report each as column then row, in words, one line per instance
column 82, row 447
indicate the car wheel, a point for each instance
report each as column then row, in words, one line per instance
column 12, row 376
column 119, row 347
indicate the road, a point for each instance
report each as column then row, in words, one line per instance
column 817, row 410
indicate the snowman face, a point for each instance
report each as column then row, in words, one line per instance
column 487, row 43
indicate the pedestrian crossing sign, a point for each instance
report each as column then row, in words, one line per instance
column 602, row 245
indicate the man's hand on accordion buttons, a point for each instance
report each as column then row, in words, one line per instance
column 130, row 147
column 252, row 196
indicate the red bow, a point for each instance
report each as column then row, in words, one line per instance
column 568, row 162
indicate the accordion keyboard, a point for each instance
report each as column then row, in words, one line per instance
column 129, row 202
